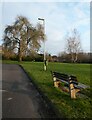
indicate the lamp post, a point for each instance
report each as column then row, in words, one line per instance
column 45, row 67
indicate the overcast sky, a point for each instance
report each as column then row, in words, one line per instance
column 60, row 18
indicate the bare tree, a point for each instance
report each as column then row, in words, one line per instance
column 73, row 45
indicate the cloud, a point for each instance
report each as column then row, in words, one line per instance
column 79, row 13
column 60, row 18
column 55, row 41
column 82, row 10
column 85, row 43
column 83, row 22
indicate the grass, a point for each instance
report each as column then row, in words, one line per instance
column 61, row 100
column 79, row 108
column 10, row 62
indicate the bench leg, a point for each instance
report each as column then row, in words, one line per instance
column 73, row 94
column 72, row 91
column 56, row 84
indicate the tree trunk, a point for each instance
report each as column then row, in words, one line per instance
column 72, row 57
column 19, row 55
column 75, row 57
column 20, row 58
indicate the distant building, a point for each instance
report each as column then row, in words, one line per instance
column 54, row 58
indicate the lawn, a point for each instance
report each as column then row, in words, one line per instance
column 79, row 108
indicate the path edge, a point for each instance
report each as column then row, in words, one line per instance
column 49, row 105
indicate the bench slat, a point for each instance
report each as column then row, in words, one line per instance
column 65, row 78
column 63, row 81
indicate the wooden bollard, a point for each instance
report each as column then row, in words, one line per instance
column 56, row 82
column 72, row 90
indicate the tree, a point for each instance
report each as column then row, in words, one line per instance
column 73, row 45
column 7, row 53
column 22, row 37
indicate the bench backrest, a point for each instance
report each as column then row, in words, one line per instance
column 65, row 77
column 74, row 79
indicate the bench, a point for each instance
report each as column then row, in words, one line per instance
column 70, row 80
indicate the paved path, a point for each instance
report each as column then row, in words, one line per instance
column 20, row 99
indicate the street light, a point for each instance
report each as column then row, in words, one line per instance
column 44, row 43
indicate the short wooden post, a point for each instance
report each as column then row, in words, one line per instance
column 72, row 90
column 56, row 82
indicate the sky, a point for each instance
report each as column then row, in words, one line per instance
column 61, row 17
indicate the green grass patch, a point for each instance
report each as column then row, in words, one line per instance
column 10, row 62
column 78, row 108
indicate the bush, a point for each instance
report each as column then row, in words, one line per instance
column 39, row 58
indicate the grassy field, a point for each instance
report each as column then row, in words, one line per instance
column 61, row 100
column 79, row 108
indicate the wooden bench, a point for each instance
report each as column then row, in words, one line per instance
column 70, row 80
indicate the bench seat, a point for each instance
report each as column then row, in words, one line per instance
column 70, row 80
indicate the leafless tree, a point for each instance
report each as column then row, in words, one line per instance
column 73, row 45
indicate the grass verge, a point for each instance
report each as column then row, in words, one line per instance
column 79, row 108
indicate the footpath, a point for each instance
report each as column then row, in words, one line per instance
column 20, row 98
